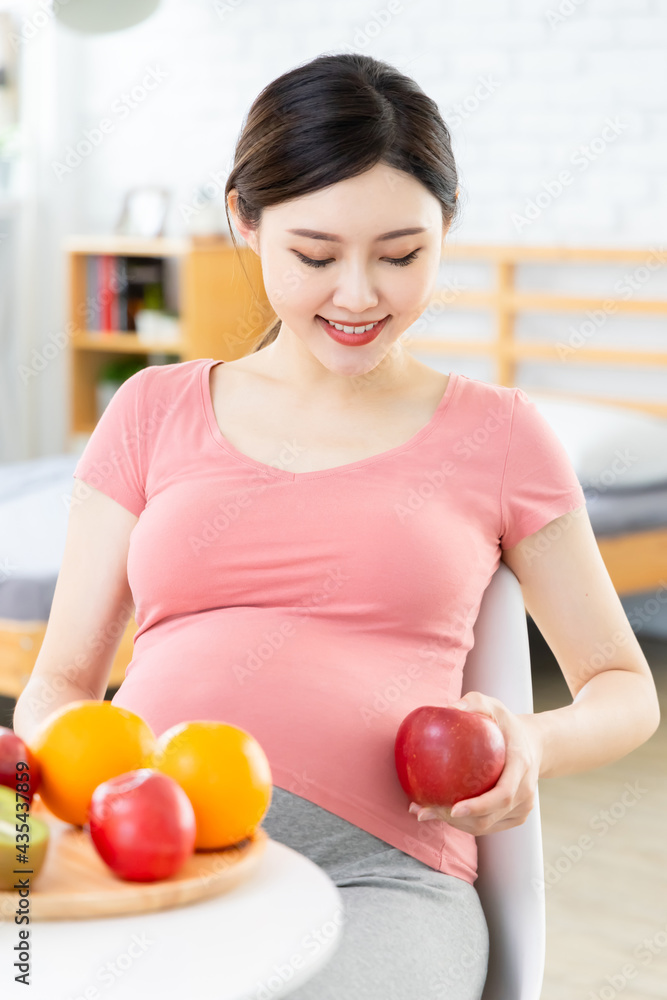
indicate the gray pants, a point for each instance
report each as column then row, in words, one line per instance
column 409, row 930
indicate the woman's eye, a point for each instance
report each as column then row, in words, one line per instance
column 402, row 261
column 398, row 261
column 310, row 261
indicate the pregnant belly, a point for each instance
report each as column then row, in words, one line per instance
column 298, row 684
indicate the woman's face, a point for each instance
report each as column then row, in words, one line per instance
column 323, row 257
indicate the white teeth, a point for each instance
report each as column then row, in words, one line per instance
column 352, row 329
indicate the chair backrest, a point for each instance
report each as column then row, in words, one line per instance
column 510, row 881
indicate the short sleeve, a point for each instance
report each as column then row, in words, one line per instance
column 111, row 460
column 539, row 482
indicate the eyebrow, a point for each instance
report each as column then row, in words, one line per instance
column 313, row 234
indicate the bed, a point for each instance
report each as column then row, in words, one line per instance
column 618, row 447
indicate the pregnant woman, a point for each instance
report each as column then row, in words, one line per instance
column 306, row 533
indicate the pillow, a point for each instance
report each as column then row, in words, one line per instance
column 610, row 447
column 34, row 516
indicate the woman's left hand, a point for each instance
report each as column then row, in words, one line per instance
column 511, row 799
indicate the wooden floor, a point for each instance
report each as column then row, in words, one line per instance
column 607, row 905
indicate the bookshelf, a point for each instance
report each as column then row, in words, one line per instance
column 220, row 312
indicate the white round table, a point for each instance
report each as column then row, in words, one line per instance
column 258, row 941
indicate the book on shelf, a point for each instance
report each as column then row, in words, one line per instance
column 118, row 287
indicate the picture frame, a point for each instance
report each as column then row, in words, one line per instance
column 144, row 212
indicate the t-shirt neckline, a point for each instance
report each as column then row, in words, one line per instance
column 279, row 473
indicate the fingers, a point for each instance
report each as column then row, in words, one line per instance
column 473, row 810
column 513, row 819
column 433, row 812
column 429, row 812
column 473, row 701
column 498, row 798
column 483, row 810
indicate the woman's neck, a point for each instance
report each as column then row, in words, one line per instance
column 290, row 361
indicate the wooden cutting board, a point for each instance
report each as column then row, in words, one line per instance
column 76, row 883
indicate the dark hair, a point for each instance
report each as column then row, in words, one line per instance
column 330, row 119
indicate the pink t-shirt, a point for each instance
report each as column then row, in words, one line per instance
column 316, row 609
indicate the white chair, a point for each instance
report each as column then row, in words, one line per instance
column 510, row 881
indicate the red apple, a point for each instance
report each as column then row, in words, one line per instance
column 444, row 755
column 142, row 824
column 13, row 750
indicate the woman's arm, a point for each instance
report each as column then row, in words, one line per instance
column 91, row 607
column 41, row 696
column 570, row 596
column 614, row 713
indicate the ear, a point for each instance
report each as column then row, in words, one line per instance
column 247, row 232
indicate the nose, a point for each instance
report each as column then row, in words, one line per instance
column 355, row 291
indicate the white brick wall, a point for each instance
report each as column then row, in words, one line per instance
column 558, row 78
column 558, row 81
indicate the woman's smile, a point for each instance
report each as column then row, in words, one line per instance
column 347, row 335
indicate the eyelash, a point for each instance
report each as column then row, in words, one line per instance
column 397, row 261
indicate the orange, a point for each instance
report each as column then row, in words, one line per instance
column 225, row 774
column 80, row 745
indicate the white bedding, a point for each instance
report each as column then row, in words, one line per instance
column 611, row 447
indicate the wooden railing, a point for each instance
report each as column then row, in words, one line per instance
column 505, row 301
